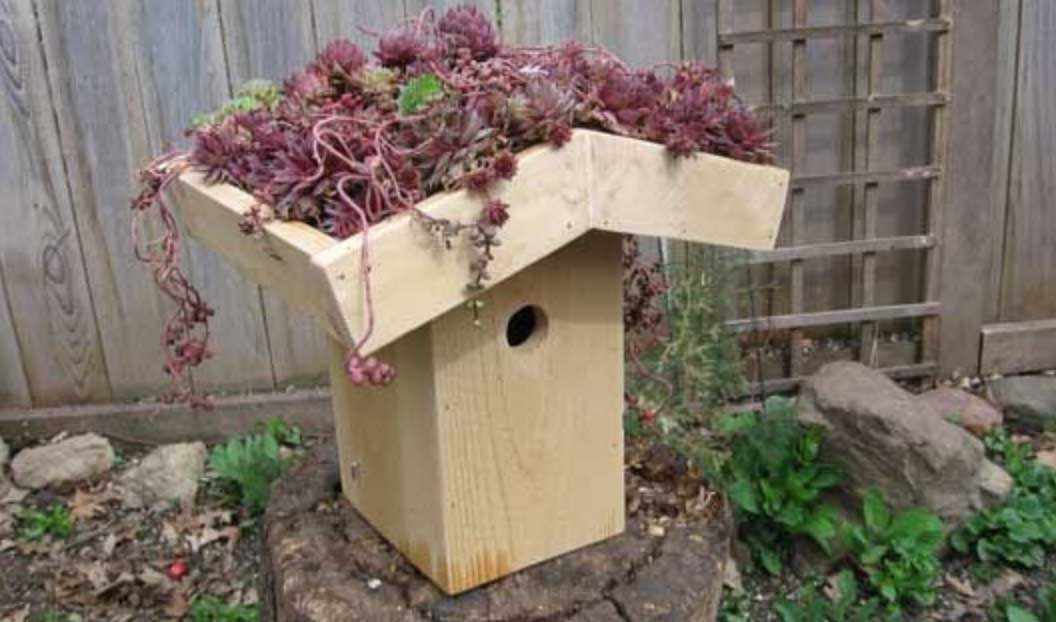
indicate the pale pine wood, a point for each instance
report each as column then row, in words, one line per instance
column 637, row 188
column 557, row 196
column 48, row 322
column 548, row 200
column 1015, row 347
column 482, row 459
column 280, row 258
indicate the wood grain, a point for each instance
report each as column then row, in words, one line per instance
column 1029, row 279
column 179, row 60
column 483, row 458
column 48, row 302
column 14, row 388
column 1017, row 347
column 969, row 232
column 350, row 18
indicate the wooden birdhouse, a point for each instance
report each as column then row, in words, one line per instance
column 500, row 443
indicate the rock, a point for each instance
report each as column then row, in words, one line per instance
column 972, row 413
column 74, row 459
column 875, row 433
column 994, row 484
column 1029, row 402
column 169, row 473
column 319, row 566
column 5, row 454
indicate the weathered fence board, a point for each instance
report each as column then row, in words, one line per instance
column 1029, row 273
column 44, row 277
column 179, row 54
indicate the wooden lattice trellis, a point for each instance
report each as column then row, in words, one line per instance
column 866, row 105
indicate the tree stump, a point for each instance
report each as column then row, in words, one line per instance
column 323, row 563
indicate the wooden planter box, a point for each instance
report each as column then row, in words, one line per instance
column 500, row 442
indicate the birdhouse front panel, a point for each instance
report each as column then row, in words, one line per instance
column 500, row 443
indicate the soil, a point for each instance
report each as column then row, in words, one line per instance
column 114, row 564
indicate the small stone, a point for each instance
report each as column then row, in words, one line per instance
column 373, row 583
column 732, row 576
column 70, row 460
column 1029, row 402
column 169, row 473
column 962, row 408
column 657, row 531
column 5, row 454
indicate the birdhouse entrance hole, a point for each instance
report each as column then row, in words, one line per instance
column 526, row 325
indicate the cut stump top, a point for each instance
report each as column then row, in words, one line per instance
column 323, row 563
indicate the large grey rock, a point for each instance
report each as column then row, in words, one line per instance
column 880, row 436
column 169, row 473
column 72, row 460
column 1029, row 402
column 972, row 413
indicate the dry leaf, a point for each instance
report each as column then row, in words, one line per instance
column 176, row 605
column 20, row 615
column 85, row 505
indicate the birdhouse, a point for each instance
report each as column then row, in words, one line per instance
column 500, row 442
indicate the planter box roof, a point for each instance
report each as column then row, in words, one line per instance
column 596, row 181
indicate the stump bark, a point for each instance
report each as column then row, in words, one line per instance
column 323, row 563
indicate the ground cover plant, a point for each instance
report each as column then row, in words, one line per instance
column 1023, row 529
column 350, row 141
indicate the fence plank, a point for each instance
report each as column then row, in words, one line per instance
column 267, row 39
column 1030, row 248
column 44, row 273
column 839, row 316
column 541, row 22
column 124, row 79
column 177, row 52
column 968, row 232
column 14, row 388
column 349, row 19
column 1014, row 347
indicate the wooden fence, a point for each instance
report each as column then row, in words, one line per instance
column 920, row 135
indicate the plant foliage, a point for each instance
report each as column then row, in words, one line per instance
column 249, row 465
column 775, row 479
column 212, row 609
column 55, row 521
column 845, row 605
column 898, row 552
column 1023, row 528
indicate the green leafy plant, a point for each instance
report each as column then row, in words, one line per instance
column 899, row 553
column 55, row 521
column 252, row 95
column 283, row 432
column 809, row 605
column 775, row 479
column 249, row 465
column 735, row 606
column 1008, row 610
column 1023, row 528
column 419, row 92
column 211, row 609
